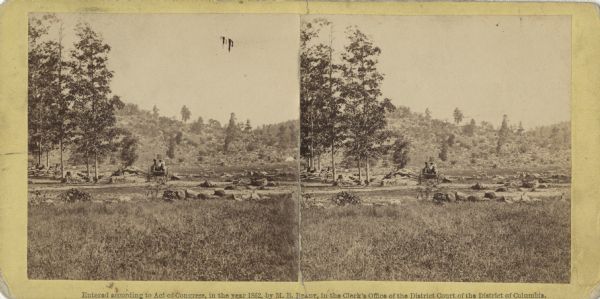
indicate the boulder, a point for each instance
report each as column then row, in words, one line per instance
column 254, row 196
column 438, row 196
column 444, row 196
column 490, row 195
column 181, row 194
column 208, row 184
column 451, row 197
column 342, row 182
column 191, row 193
column 203, row 196
column 220, row 192
column 272, row 184
column 474, row 198
column 502, row 189
column 231, row 187
column 505, row 198
column 398, row 181
column 530, row 184
column 259, row 182
column 459, row 196
column 511, row 184
column 170, row 195
column 478, row 186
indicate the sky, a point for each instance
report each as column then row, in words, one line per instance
column 486, row 66
column 171, row 60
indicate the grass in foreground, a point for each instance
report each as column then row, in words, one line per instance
column 187, row 240
column 419, row 241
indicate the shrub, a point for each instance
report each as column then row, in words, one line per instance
column 74, row 195
column 344, row 198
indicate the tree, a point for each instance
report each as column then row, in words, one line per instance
column 282, row 137
column 155, row 111
column 364, row 110
column 401, row 149
column 171, row 148
column 214, row 124
column 90, row 90
column 293, row 135
column 231, row 133
column 50, row 109
column 470, row 128
column 313, row 70
column 185, row 113
column 178, row 137
column 197, row 126
column 443, row 155
column 451, row 140
column 129, row 147
column 458, row 116
column 503, row 134
column 427, row 113
column 247, row 126
column 41, row 70
column 520, row 129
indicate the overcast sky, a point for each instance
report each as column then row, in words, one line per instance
column 171, row 60
column 485, row 65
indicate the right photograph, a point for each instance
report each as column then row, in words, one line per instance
column 435, row 148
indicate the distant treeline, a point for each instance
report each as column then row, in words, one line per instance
column 200, row 140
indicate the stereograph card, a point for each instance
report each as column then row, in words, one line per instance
column 299, row 150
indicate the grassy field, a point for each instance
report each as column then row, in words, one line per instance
column 156, row 240
column 420, row 241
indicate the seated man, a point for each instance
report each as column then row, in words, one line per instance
column 426, row 168
column 154, row 166
column 161, row 165
column 432, row 169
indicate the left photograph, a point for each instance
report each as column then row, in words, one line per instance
column 163, row 147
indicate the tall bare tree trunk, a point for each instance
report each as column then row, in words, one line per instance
column 39, row 153
column 359, row 173
column 47, row 159
column 319, row 163
column 367, row 171
column 87, row 166
column 62, row 161
column 333, row 160
column 95, row 167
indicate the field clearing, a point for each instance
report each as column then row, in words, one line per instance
column 420, row 241
column 156, row 240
